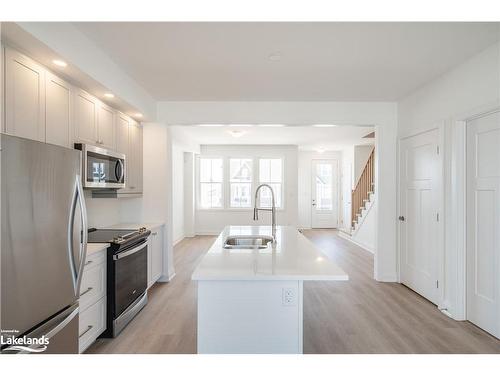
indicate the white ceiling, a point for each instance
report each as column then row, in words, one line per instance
column 306, row 137
column 318, row 61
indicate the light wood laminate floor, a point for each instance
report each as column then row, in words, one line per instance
column 358, row 316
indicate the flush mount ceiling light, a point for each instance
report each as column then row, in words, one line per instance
column 210, row 125
column 276, row 56
column 109, row 95
column 60, row 63
column 324, row 125
column 236, row 133
column 321, row 150
column 240, row 125
column 139, row 115
column 272, row 125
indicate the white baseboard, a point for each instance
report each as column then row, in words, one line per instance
column 360, row 244
column 208, row 233
column 177, row 241
column 166, row 279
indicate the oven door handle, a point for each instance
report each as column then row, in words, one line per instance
column 130, row 252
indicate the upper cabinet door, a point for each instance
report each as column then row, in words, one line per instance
column 24, row 97
column 57, row 111
column 85, row 118
column 135, row 158
column 122, row 124
column 106, row 127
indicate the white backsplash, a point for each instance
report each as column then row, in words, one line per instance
column 103, row 212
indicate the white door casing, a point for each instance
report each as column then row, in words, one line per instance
column 483, row 222
column 420, row 182
column 324, row 194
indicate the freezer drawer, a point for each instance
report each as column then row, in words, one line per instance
column 61, row 332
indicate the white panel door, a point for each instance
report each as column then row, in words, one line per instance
column 324, row 194
column 483, row 222
column 420, row 181
column 57, row 111
column 24, row 97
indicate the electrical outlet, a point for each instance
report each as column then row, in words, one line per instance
column 289, row 297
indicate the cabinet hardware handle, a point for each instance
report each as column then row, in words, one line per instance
column 84, row 332
column 88, row 290
column 88, row 262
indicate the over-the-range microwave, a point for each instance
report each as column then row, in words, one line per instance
column 102, row 168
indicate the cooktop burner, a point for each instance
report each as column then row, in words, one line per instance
column 117, row 236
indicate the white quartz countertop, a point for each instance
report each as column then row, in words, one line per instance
column 93, row 248
column 293, row 257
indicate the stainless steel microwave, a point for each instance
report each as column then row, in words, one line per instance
column 102, row 168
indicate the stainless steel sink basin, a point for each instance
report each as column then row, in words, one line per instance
column 247, row 242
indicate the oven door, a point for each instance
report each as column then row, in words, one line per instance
column 103, row 168
column 131, row 275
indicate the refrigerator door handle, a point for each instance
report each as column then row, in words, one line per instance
column 77, row 270
column 84, row 231
column 71, row 224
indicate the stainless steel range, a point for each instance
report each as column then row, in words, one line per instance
column 127, row 275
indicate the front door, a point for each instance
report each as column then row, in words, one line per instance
column 483, row 222
column 324, row 194
column 419, row 209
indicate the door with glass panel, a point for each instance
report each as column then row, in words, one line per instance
column 324, row 194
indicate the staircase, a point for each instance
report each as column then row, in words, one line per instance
column 363, row 194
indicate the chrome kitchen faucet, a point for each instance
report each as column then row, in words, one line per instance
column 272, row 209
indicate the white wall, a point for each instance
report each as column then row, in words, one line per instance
column 178, row 192
column 361, row 155
column 305, row 183
column 381, row 114
column 470, row 88
column 213, row 221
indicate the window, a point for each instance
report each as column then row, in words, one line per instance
column 211, row 173
column 271, row 173
column 240, row 181
column 324, row 188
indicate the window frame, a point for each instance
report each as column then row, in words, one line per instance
column 270, row 157
column 198, row 183
column 251, row 182
column 226, row 184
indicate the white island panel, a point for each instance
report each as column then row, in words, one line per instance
column 249, row 317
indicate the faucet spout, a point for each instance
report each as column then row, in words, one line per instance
column 256, row 209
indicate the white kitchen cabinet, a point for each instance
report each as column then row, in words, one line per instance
column 92, row 319
column 58, row 100
column 85, row 118
column 155, row 255
column 135, row 157
column 24, row 97
column 106, row 127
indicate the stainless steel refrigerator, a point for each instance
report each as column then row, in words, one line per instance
column 43, row 246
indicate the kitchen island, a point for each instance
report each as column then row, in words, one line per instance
column 250, row 299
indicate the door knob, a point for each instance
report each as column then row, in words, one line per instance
column 401, row 218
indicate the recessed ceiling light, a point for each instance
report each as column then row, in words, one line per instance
column 240, row 125
column 324, row 125
column 138, row 115
column 60, row 63
column 211, row 125
column 275, row 56
column 109, row 95
column 236, row 133
column 272, row 125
